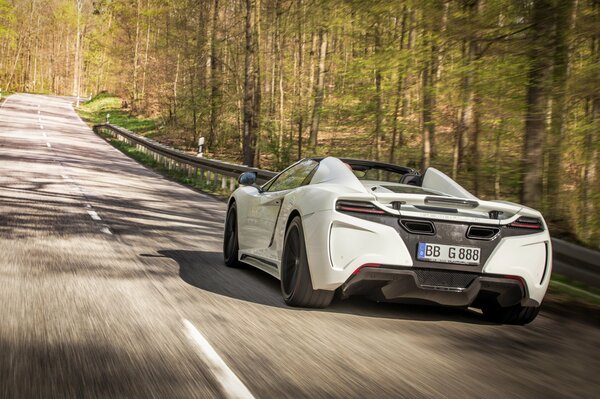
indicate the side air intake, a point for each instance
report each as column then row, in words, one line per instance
column 482, row 232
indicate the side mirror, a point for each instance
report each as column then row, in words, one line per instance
column 247, row 178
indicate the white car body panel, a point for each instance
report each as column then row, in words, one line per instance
column 339, row 243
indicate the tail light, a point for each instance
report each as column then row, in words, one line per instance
column 358, row 207
column 527, row 223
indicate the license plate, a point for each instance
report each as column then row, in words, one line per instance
column 448, row 253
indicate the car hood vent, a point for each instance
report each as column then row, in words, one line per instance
column 418, row 226
column 482, row 232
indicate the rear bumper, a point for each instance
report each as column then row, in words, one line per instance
column 339, row 248
column 450, row 288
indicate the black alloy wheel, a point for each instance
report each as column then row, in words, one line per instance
column 296, row 284
column 230, row 239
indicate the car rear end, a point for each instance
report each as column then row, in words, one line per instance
column 418, row 246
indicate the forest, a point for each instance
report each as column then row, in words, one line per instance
column 502, row 95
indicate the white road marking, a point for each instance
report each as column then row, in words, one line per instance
column 41, row 126
column 44, row 134
column 94, row 215
column 64, row 177
column 49, row 146
column 231, row 385
column 88, row 206
column 106, row 230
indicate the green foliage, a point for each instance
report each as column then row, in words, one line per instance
column 95, row 111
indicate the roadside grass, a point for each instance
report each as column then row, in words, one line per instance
column 204, row 185
column 95, row 111
column 573, row 299
column 574, row 290
column 4, row 95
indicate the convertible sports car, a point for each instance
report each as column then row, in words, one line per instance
column 327, row 225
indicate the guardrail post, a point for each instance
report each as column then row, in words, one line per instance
column 232, row 184
column 224, row 182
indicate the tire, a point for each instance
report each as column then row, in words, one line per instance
column 517, row 314
column 296, row 284
column 230, row 239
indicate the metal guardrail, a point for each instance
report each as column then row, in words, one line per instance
column 576, row 262
column 202, row 169
column 570, row 260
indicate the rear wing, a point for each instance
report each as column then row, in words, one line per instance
column 438, row 181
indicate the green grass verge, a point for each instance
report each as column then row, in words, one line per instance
column 204, row 185
column 573, row 299
column 5, row 94
column 95, row 111
column 574, row 290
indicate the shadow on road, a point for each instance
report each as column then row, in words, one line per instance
column 206, row 270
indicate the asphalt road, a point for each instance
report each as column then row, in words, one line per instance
column 109, row 274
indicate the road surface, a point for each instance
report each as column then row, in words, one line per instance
column 112, row 284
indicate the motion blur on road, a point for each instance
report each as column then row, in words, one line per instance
column 109, row 274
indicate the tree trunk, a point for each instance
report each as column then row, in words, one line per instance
column 401, row 71
column 78, row 5
column 428, row 79
column 145, row 67
column 299, row 77
column 135, row 94
column 279, row 53
column 250, row 112
column 257, row 82
column 215, row 89
column 537, row 103
column 564, row 15
column 319, row 91
column 378, row 97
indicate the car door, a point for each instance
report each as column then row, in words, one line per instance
column 270, row 200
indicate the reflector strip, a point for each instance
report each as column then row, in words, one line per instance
column 354, row 273
column 361, row 210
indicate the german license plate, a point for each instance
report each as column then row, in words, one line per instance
column 448, row 253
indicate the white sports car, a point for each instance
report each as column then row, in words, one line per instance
column 391, row 234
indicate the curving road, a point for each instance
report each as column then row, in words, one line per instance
column 112, row 285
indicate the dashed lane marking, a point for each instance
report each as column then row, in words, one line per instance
column 49, row 145
column 231, row 385
column 94, row 215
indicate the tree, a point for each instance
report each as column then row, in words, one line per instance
column 251, row 88
column 319, row 89
column 536, row 102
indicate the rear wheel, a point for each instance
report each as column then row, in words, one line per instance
column 296, row 284
column 230, row 239
column 510, row 315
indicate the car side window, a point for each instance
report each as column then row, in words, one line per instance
column 293, row 177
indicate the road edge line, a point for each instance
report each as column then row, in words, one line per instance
column 230, row 384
